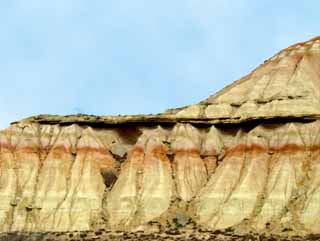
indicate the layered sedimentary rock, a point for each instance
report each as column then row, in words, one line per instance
column 245, row 159
column 261, row 178
column 144, row 188
column 189, row 168
column 48, row 173
column 286, row 85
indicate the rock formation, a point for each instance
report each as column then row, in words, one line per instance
column 246, row 159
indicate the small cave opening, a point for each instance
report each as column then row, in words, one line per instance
column 109, row 177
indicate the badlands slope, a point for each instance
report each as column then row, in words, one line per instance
column 246, row 159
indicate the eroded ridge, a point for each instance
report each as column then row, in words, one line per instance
column 67, row 178
column 144, row 188
column 286, row 87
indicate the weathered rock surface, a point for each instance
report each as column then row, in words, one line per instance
column 189, row 169
column 205, row 166
column 64, row 178
column 144, row 188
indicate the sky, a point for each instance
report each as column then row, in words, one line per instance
column 110, row 57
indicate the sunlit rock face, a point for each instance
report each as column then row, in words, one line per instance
column 261, row 178
column 246, row 159
column 51, row 177
column 144, row 188
column 189, row 168
column 286, row 85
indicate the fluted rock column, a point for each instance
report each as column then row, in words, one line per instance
column 285, row 173
column 212, row 150
column 189, row 168
column 144, row 188
column 8, row 176
column 209, row 202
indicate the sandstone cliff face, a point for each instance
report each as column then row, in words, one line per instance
column 59, row 178
column 49, row 173
column 204, row 164
column 286, row 85
column 144, row 188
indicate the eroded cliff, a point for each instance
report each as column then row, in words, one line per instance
column 245, row 159
column 59, row 178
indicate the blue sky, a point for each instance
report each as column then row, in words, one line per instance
column 112, row 57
